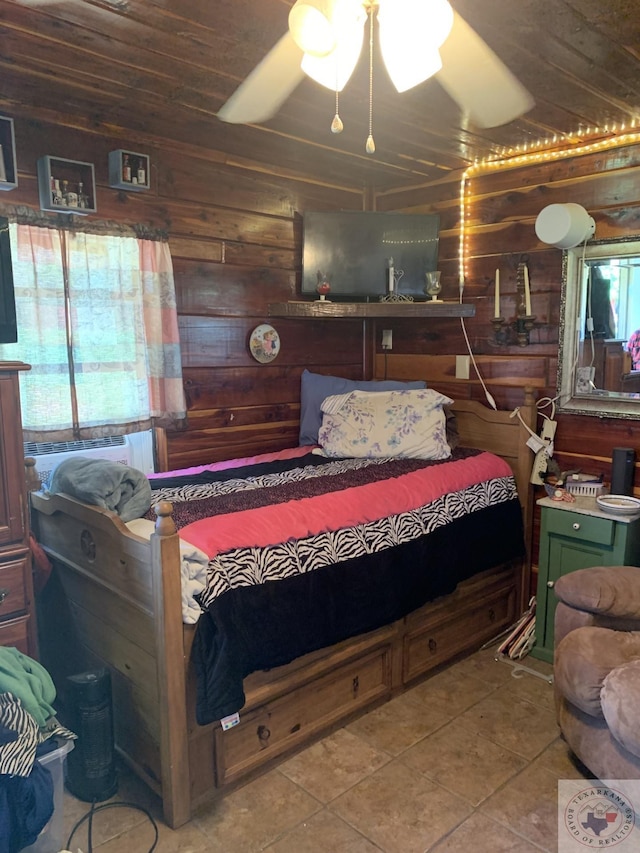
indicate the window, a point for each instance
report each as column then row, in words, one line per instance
column 97, row 323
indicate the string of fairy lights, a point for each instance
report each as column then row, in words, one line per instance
column 540, row 151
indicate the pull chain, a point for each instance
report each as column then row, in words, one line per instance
column 337, row 125
column 370, row 147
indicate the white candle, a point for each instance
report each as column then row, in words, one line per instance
column 527, row 292
column 496, row 301
column 391, row 278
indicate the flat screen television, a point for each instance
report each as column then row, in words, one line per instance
column 8, row 325
column 353, row 250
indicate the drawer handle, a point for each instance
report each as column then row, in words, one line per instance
column 3, row 594
column 492, row 615
column 551, row 584
column 432, row 645
column 355, row 685
column 263, row 735
column 576, row 525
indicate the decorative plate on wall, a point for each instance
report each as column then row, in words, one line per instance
column 264, row 343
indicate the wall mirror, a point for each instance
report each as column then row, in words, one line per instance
column 599, row 313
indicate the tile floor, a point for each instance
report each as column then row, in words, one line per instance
column 467, row 760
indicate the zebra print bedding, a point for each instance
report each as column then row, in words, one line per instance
column 305, row 552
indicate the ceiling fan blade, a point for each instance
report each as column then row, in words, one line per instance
column 478, row 80
column 262, row 93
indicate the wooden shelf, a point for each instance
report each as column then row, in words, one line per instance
column 66, row 186
column 369, row 310
column 128, row 170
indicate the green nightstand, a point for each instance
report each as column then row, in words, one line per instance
column 577, row 536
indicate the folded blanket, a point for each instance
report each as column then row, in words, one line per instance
column 100, row 482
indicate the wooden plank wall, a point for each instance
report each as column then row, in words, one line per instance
column 235, row 234
column 503, row 205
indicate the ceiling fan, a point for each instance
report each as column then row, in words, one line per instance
column 418, row 39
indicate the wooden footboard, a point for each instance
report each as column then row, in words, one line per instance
column 114, row 600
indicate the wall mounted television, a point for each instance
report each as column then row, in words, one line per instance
column 8, row 325
column 353, row 249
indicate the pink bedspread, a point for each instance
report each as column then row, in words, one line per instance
column 268, row 525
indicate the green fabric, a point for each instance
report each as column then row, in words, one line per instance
column 29, row 681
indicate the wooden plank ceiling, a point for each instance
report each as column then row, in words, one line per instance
column 162, row 68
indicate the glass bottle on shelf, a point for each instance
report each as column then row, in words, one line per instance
column 126, row 168
column 142, row 175
column 82, row 198
column 65, row 192
column 57, row 194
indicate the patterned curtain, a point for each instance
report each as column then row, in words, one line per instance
column 97, row 322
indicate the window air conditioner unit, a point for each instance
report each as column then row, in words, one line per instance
column 134, row 450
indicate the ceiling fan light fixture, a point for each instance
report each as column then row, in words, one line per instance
column 310, row 26
column 333, row 71
column 440, row 21
column 317, row 26
column 471, row 72
column 431, row 20
column 411, row 32
column 409, row 63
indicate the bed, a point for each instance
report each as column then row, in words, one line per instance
column 114, row 599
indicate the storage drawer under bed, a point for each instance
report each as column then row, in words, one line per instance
column 439, row 639
column 290, row 720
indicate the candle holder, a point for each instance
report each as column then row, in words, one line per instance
column 392, row 295
column 516, row 331
column 323, row 287
column 433, row 285
column 524, row 325
column 500, row 332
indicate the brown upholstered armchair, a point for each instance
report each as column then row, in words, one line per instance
column 597, row 668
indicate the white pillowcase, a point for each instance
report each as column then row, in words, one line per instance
column 376, row 424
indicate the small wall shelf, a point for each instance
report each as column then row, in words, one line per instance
column 369, row 310
column 128, row 170
column 66, row 186
column 8, row 170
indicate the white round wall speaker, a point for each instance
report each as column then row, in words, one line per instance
column 564, row 225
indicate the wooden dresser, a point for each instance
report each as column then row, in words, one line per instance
column 17, row 613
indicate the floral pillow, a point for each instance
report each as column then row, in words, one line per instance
column 314, row 387
column 385, row 423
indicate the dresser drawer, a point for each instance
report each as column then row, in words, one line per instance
column 582, row 527
column 15, row 632
column 13, row 598
column 285, row 722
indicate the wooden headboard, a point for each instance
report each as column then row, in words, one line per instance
column 502, row 433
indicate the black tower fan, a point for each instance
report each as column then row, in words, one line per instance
column 91, row 771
